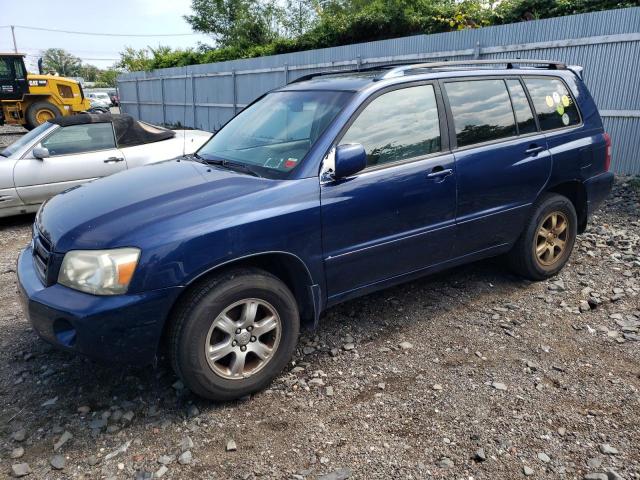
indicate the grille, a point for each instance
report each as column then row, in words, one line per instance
column 41, row 255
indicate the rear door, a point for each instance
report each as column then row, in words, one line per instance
column 78, row 154
column 502, row 160
column 398, row 215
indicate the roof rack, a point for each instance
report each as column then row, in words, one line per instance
column 400, row 70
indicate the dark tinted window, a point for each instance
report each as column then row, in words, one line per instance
column 398, row 125
column 17, row 64
column 553, row 103
column 481, row 111
column 524, row 115
column 80, row 138
column 5, row 69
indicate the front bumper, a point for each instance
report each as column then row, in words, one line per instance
column 120, row 328
column 598, row 189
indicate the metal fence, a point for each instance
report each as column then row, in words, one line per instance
column 606, row 43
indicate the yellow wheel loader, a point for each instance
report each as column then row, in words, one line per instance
column 30, row 100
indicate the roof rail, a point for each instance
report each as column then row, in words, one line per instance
column 309, row 76
column 400, row 70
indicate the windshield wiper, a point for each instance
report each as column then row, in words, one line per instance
column 238, row 167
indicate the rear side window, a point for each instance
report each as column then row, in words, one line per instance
column 521, row 107
column 553, row 103
column 397, row 126
column 481, row 111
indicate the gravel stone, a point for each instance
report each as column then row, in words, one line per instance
column 340, row 474
column 607, row 449
column 543, row 457
column 17, row 453
column 185, row 458
column 160, row 472
column 64, row 438
column 20, row 470
column 57, row 462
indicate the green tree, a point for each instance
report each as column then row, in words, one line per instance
column 236, row 23
column 61, row 62
column 108, row 77
column 89, row 72
column 132, row 60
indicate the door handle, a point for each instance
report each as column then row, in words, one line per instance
column 114, row 160
column 440, row 172
column 533, row 149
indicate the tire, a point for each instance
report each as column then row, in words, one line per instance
column 197, row 324
column 39, row 109
column 524, row 259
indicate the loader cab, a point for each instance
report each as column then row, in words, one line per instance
column 13, row 77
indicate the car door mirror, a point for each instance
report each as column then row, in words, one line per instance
column 40, row 153
column 350, row 159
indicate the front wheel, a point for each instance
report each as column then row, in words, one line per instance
column 40, row 112
column 545, row 246
column 233, row 334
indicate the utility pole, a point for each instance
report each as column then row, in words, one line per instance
column 13, row 35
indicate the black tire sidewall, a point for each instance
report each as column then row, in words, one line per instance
column 191, row 360
column 553, row 203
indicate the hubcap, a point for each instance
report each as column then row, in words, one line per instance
column 243, row 339
column 44, row 116
column 551, row 239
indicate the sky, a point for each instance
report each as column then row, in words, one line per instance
column 140, row 17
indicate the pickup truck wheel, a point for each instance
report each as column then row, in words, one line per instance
column 232, row 335
column 547, row 241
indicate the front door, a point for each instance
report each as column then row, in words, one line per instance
column 9, row 87
column 396, row 216
column 77, row 154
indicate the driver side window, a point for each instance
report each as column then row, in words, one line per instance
column 397, row 126
column 80, row 139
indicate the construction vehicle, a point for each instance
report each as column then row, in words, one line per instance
column 30, row 100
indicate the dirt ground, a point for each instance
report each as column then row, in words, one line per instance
column 472, row 373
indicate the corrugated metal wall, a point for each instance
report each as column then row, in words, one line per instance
column 606, row 43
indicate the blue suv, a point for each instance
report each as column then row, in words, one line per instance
column 331, row 187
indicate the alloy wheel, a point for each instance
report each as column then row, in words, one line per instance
column 243, row 339
column 551, row 239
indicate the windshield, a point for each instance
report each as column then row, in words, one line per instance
column 24, row 140
column 273, row 135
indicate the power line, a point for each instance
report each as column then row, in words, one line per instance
column 24, row 27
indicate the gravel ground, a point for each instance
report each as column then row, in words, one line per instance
column 472, row 373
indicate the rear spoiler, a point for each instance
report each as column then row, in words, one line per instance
column 576, row 69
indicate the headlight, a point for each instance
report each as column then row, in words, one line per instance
column 99, row 272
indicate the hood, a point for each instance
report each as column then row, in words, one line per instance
column 108, row 213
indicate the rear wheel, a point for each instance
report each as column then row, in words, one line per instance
column 233, row 334
column 545, row 246
column 41, row 112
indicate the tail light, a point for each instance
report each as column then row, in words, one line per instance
column 607, row 158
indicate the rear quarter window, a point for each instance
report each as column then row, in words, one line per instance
column 554, row 104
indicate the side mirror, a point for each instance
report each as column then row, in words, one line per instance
column 40, row 153
column 350, row 159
